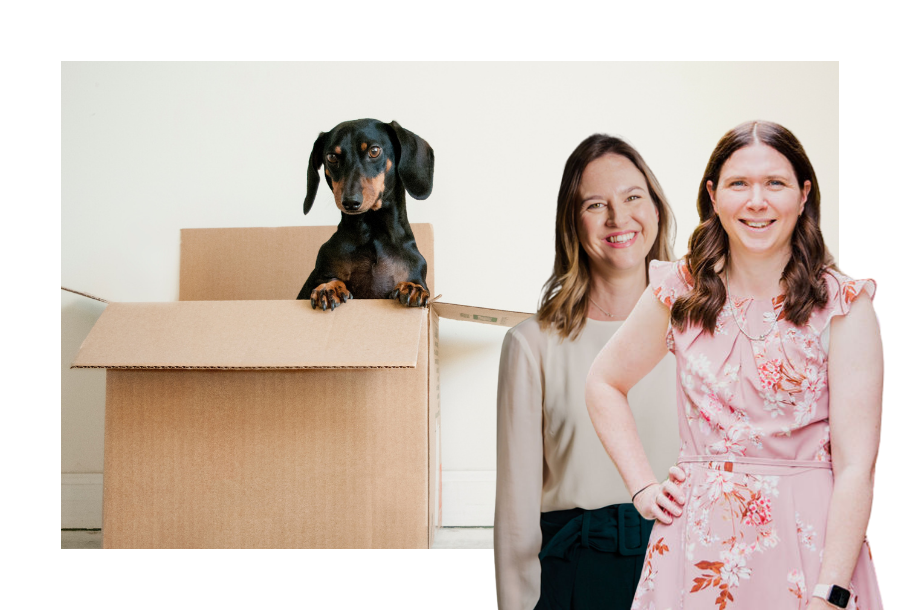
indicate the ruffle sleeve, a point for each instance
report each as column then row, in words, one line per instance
column 842, row 291
column 669, row 280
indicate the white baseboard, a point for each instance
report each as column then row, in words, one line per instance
column 468, row 497
column 82, row 500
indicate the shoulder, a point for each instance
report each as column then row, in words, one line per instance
column 528, row 337
column 670, row 280
column 844, row 290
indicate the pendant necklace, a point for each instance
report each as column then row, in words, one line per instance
column 736, row 321
column 609, row 315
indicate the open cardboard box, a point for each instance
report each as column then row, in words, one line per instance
column 240, row 417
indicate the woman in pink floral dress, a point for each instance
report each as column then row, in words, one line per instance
column 779, row 376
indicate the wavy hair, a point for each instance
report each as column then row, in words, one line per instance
column 708, row 246
column 564, row 299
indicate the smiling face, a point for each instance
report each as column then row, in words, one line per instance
column 758, row 201
column 617, row 220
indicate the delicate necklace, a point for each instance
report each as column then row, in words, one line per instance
column 736, row 321
column 609, row 315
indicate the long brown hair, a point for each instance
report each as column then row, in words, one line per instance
column 564, row 300
column 708, row 247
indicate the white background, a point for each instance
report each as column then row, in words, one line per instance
column 389, row 579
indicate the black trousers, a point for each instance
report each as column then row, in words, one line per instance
column 592, row 558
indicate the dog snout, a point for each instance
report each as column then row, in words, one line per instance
column 352, row 205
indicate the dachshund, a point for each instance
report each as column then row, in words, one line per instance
column 369, row 166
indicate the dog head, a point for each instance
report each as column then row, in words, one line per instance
column 366, row 161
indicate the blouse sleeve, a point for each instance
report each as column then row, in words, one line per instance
column 520, row 462
column 669, row 280
column 842, row 291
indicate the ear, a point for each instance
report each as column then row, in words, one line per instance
column 312, row 172
column 806, row 188
column 710, row 188
column 415, row 161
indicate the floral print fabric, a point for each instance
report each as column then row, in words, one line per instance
column 753, row 420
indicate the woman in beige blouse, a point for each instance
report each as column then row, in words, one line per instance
column 565, row 532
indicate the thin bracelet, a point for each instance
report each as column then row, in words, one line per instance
column 639, row 491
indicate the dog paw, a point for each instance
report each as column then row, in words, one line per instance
column 329, row 295
column 410, row 294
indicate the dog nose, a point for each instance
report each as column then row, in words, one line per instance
column 351, row 204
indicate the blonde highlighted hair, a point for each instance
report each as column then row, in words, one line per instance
column 564, row 301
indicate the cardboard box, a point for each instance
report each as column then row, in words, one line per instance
column 239, row 417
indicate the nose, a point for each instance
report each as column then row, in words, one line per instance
column 612, row 215
column 757, row 198
column 351, row 197
column 352, row 204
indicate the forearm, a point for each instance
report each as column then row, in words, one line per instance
column 615, row 425
column 848, row 517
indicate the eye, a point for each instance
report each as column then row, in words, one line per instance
column 738, row 183
column 374, row 152
column 331, row 158
column 633, row 198
column 597, row 205
column 776, row 183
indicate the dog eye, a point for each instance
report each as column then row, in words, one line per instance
column 331, row 158
column 375, row 152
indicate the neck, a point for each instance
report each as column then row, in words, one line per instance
column 616, row 293
column 758, row 277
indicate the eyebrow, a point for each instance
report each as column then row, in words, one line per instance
column 623, row 191
column 783, row 177
column 630, row 189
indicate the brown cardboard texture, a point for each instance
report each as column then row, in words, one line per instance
column 239, row 417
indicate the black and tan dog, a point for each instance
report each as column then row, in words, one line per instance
column 369, row 165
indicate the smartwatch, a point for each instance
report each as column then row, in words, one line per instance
column 833, row 594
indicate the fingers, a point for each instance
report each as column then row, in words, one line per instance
column 662, row 501
column 676, row 474
column 674, row 492
column 668, row 505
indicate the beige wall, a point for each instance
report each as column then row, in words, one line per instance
column 150, row 148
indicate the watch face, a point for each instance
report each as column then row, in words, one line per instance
column 839, row 596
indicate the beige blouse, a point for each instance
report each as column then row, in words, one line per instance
column 548, row 455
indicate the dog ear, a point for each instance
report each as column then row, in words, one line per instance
column 312, row 172
column 416, row 162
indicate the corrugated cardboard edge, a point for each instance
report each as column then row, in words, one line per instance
column 84, row 294
column 481, row 315
column 434, row 431
column 253, row 335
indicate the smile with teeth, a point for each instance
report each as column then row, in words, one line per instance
column 757, row 224
column 620, row 238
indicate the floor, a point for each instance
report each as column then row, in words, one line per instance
column 445, row 538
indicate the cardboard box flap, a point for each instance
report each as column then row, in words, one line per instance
column 253, row 335
column 262, row 263
column 482, row 315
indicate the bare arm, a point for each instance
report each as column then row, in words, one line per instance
column 520, row 461
column 855, row 377
column 631, row 354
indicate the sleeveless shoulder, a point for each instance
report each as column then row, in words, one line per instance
column 670, row 280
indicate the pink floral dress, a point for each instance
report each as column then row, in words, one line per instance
column 753, row 420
